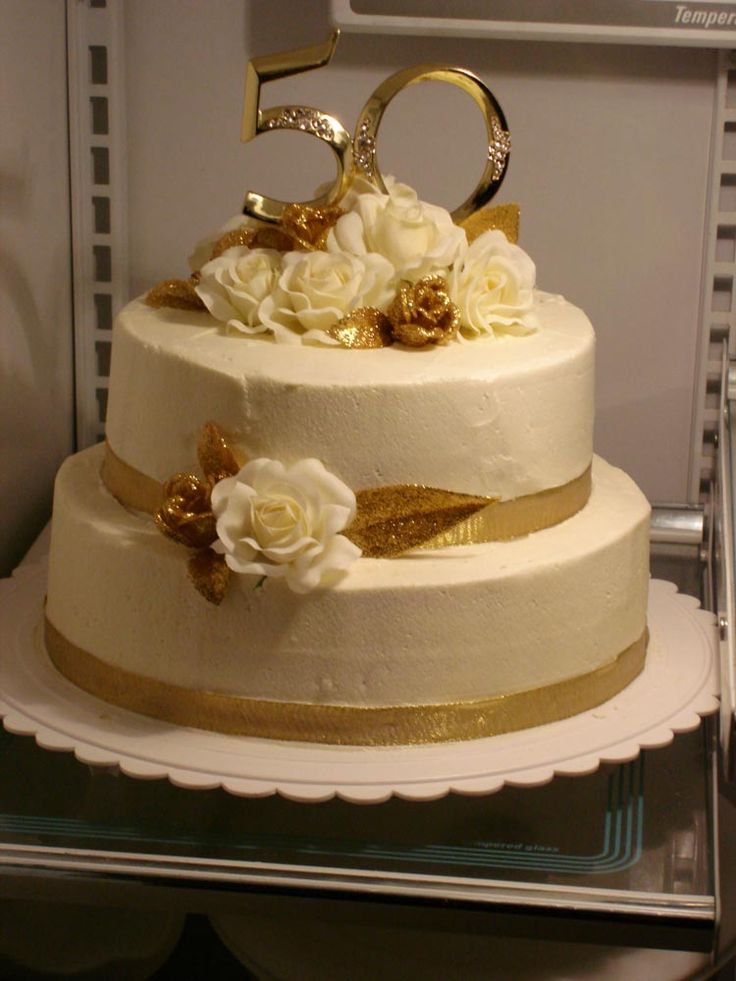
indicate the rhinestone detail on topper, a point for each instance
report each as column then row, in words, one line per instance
column 498, row 148
column 303, row 118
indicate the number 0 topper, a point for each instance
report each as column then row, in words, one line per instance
column 358, row 156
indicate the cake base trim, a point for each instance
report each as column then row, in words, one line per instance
column 499, row 521
column 397, row 725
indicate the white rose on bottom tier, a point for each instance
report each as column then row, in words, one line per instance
column 284, row 522
column 317, row 289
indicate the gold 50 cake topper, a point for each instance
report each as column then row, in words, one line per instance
column 357, row 155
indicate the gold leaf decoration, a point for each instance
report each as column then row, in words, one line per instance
column 210, row 574
column 364, row 327
column 232, row 239
column 186, row 513
column 216, row 458
column 504, row 217
column 393, row 519
column 423, row 313
column 308, row 226
column 177, row 293
column 272, row 237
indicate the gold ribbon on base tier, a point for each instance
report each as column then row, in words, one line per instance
column 499, row 521
column 343, row 725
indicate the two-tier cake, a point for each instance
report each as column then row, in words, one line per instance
column 348, row 493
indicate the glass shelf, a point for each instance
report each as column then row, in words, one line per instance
column 629, row 842
column 631, row 845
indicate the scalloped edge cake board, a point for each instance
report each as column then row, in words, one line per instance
column 679, row 685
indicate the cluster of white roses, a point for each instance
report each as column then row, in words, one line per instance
column 382, row 241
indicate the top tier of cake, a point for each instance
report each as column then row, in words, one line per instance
column 504, row 416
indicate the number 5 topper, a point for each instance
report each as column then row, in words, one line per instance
column 358, row 156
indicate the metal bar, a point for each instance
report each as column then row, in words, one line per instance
column 97, row 154
column 227, row 875
column 673, row 524
column 727, row 563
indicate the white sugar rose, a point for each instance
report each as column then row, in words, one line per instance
column 418, row 239
column 493, row 286
column 317, row 289
column 203, row 249
column 284, row 522
column 234, row 286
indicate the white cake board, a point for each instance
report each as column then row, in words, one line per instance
column 679, row 684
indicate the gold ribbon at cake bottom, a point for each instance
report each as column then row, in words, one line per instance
column 395, row 725
column 497, row 522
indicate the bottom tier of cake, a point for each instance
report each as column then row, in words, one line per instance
column 435, row 645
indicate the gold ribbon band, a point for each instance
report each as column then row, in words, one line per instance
column 131, row 487
column 512, row 519
column 497, row 522
column 398, row 725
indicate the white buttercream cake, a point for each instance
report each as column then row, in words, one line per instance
column 347, row 500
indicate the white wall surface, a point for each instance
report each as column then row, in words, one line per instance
column 609, row 163
column 36, row 408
